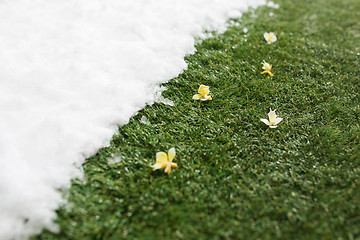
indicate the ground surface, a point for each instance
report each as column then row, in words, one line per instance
column 237, row 179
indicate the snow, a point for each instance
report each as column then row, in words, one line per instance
column 70, row 72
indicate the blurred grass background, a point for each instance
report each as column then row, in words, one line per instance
column 237, row 179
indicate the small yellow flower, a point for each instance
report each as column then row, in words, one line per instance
column 267, row 67
column 273, row 119
column 203, row 93
column 270, row 37
column 164, row 160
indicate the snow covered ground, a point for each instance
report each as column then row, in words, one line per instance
column 70, row 72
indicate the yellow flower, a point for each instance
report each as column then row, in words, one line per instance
column 273, row 119
column 164, row 160
column 270, row 37
column 267, row 67
column 203, row 93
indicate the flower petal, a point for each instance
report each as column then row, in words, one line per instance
column 266, row 66
column 205, row 98
column 168, row 168
column 273, row 37
column 161, row 157
column 265, row 121
column 196, row 97
column 266, row 36
column 277, row 120
column 156, row 166
column 203, row 90
column 171, row 154
column 273, row 126
column 272, row 116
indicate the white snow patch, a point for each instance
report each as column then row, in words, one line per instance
column 273, row 5
column 145, row 120
column 115, row 158
column 70, row 72
column 159, row 98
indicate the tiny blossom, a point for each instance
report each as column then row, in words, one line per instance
column 270, row 37
column 267, row 68
column 203, row 93
column 164, row 160
column 273, row 119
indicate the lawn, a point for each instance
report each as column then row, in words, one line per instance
column 237, row 178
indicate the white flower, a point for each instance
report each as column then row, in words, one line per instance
column 273, row 119
column 270, row 37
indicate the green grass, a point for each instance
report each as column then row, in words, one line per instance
column 237, row 179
